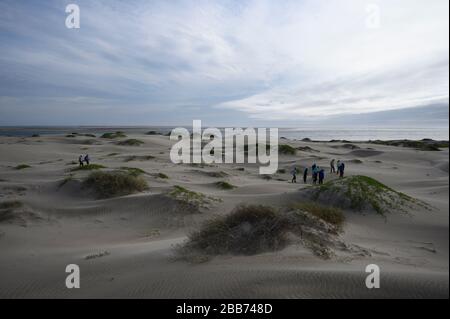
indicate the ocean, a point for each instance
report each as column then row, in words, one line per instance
column 354, row 134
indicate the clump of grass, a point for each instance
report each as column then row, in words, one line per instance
column 116, row 183
column 134, row 171
column 35, row 135
column 331, row 215
column 356, row 161
column 89, row 167
column 138, row 158
column 254, row 229
column 363, row 192
column 281, row 171
column 195, row 199
column 22, row 166
column 112, row 154
column 131, row 142
column 286, row 149
column 114, row 135
column 7, row 209
column 266, row 177
column 71, row 135
column 423, row 145
column 162, row 175
column 11, row 204
column 225, row 185
column 65, row 180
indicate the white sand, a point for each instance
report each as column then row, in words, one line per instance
column 64, row 225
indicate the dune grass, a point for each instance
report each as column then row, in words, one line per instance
column 89, row 167
column 114, row 135
column 22, row 166
column 113, row 184
column 11, row 204
column 253, row 229
column 225, row 185
column 190, row 197
column 285, row 149
column 132, row 158
column 131, row 142
column 331, row 215
column 363, row 192
column 7, row 209
column 134, row 171
column 162, row 176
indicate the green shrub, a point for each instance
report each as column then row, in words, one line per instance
column 286, row 149
column 225, row 185
column 112, row 184
column 329, row 214
column 89, row 167
column 22, row 166
column 133, row 171
column 162, row 175
column 114, row 135
column 131, row 142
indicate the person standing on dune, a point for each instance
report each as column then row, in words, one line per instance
column 294, row 175
column 305, row 174
column 80, row 160
column 332, row 168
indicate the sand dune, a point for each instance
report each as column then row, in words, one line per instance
column 125, row 245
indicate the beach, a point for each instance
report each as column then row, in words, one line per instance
column 125, row 245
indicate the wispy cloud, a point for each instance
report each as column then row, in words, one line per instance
column 168, row 62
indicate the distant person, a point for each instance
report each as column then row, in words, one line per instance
column 294, row 175
column 80, row 160
column 86, row 159
column 315, row 172
column 305, row 175
column 341, row 170
column 337, row 166
column 332, row 167
column 321, row 176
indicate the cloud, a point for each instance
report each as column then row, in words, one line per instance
column 232, row 60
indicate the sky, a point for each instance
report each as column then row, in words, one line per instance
column 228, row 63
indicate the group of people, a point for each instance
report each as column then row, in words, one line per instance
column 318, row 173
column 83, row 159
column 338, row 169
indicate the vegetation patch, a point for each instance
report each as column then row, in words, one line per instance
column 134, row 171
column 162, row 175
column 116, row 183
column 225, row 185
column 329, row 214
column 423, row 145
column 114, row 135
column 362, row 192
column 253, row 229
column 195, row 199
column 138, row 158
column 285, row 149
column 89, row 167
column 22, row 166
column 131, row 142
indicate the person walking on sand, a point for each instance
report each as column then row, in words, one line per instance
column 86, row 159
column 332, row 168
column 341, row 170
column 321, row 176
column 338, row 165
column 305, row 175
column 315, row 171
column 294, row 175
column 80, row 160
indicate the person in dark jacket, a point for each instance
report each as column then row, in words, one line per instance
column 341, row 170
column 305, row 175
column 87, row 159
column 321, row 176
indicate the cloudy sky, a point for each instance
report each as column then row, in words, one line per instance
column 224, row 62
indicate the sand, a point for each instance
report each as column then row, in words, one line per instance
column 125, row 245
